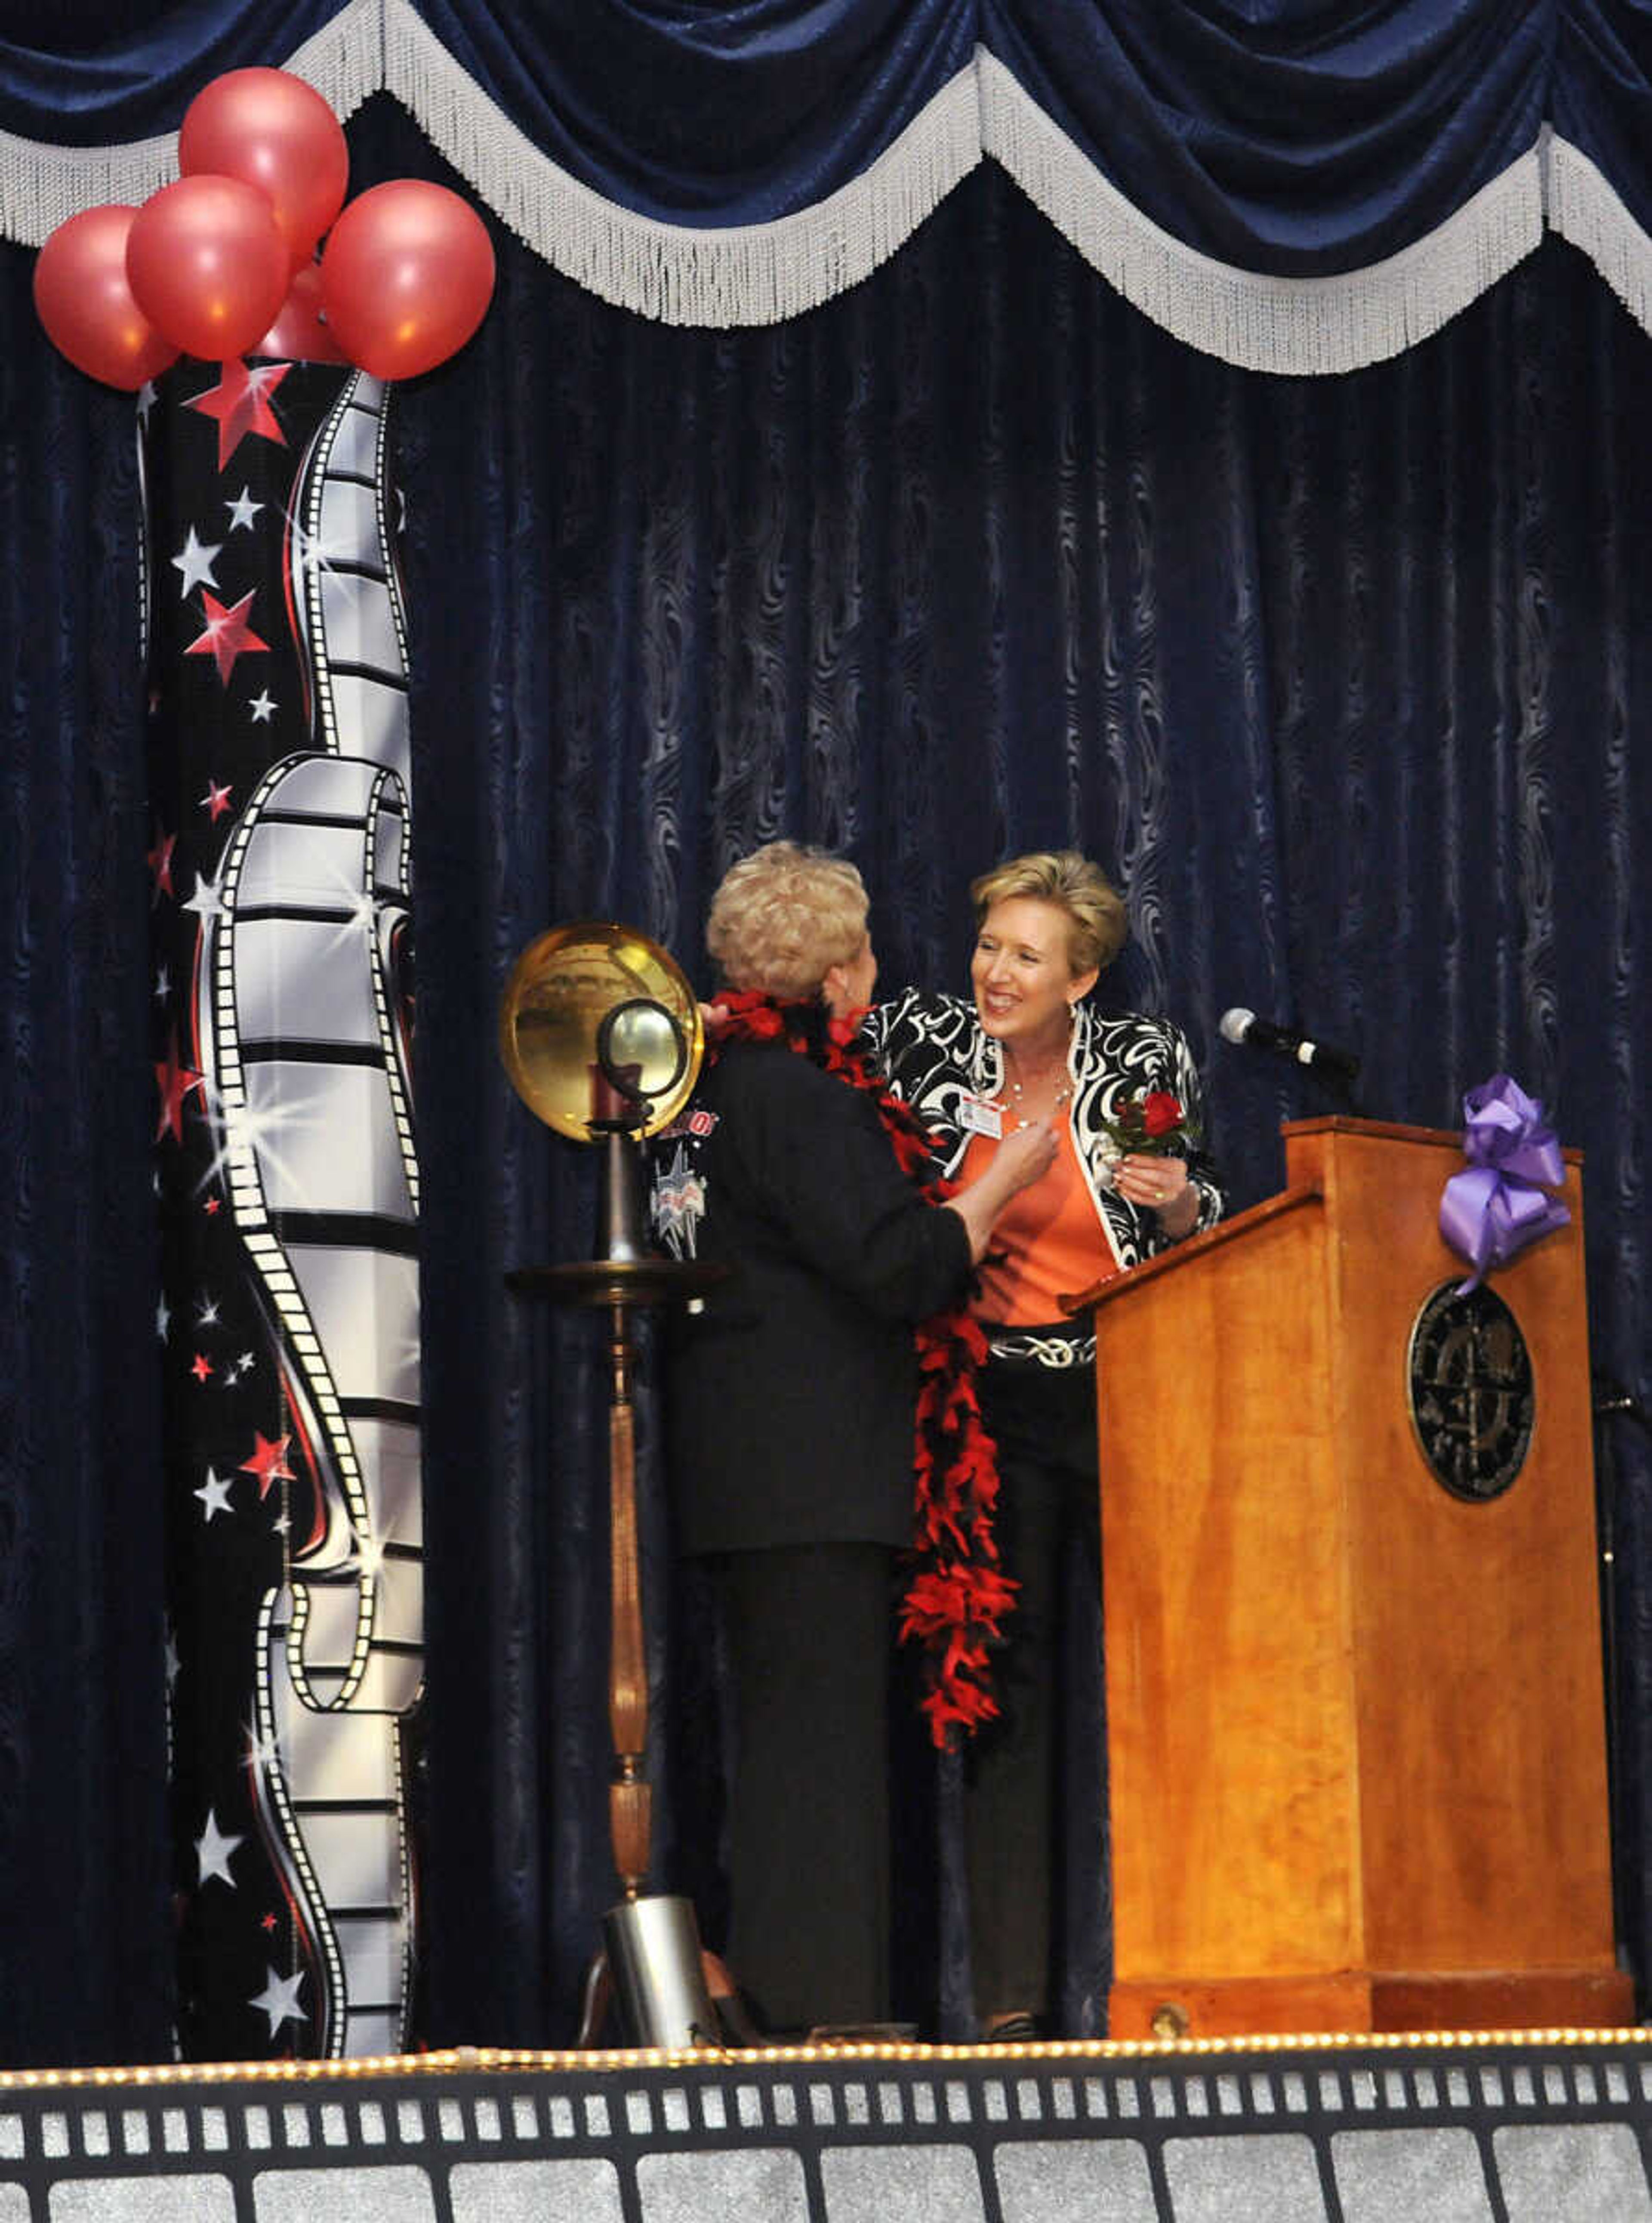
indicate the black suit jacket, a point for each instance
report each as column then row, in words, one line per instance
column 791, row 1395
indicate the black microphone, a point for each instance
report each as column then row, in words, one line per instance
column 1239, row 1025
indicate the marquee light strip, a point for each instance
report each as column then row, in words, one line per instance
column 465, row 2060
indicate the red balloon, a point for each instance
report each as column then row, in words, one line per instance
column 272, row 131
column 406, row 275
column 86, row 305
column 208, row 265
column 299, row 334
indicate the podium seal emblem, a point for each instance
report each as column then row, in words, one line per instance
column 1471, row 1392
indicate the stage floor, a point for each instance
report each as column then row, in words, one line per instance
column 1549, row 2126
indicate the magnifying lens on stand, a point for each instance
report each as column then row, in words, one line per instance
column 601, row 1036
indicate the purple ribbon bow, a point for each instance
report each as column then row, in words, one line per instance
column 1489, row 1214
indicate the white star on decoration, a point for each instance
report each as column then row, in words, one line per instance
column 206, row 902
column 262, row 708
column 243, row 510
column 212, row 1851
column 263, row 1752
column 253, row 1135
column 195, row 561
column 315, row 553
column 369, row 1558
column 279, row 2001
column 163, row 984
column 175, row 1665
column 163, row 1319
column 214, row 1493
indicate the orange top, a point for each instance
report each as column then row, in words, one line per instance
column 1046, row 1244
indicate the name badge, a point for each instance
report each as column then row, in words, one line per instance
column 980, row 1117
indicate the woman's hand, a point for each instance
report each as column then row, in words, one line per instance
column 1159, row 1185
column 1027, row 1154
column 1019, row 1161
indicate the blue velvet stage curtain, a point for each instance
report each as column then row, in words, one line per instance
column 96, row 72
column 1603, row 92
column 1344, row 678
column 85, row 1925
column 697, row 119
column 1295, row 137
column 1341, row 677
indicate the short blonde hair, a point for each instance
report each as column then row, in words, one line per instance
column 1097, row 922
column 783, row 916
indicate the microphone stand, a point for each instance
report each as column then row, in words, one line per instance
column 1339, row 1087
column 1611, row 1402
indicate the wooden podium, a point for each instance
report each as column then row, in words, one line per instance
column 1356, row 1742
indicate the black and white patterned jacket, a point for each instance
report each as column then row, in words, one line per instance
column 936, row 1053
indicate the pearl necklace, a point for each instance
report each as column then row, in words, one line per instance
column 1025, row 1119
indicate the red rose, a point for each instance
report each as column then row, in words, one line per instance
column 1161, row 1113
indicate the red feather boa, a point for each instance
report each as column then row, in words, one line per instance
column 958, row 1596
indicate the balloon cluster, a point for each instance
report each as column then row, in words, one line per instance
column 223, row 263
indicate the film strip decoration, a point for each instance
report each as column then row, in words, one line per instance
column 351, row 610
column 287, row 1123
column 1491, row 2126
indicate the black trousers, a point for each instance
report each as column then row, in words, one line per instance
column 1044, row 1421
column 809, row 1632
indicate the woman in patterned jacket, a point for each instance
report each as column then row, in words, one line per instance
column 1028, row 1047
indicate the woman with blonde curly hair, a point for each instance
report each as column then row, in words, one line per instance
column 785, row 917
column 791, row 1398
column 1129, row 1177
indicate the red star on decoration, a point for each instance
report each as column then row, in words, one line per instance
column 212, row 1207
column 174, row 1081
column 240, row 404
column 217, row 800
column 203, row 1366
column 228, row 634
column 268, row 1462
column 159, row 861
column 268, row 1923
